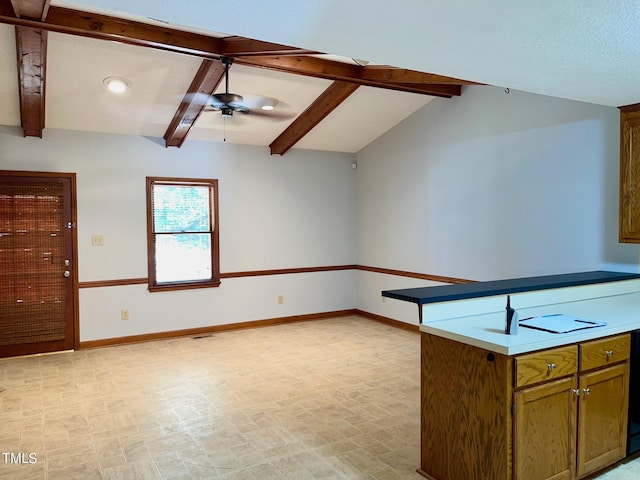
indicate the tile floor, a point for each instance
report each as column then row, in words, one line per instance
column 327, row 399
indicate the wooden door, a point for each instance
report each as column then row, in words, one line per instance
column 544, row 445
column 602, row 419
column 38, row 282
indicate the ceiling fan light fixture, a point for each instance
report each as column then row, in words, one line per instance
column 116, row 84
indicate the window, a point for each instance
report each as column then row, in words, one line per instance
column 182, row 226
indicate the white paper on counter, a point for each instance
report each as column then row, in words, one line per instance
column 559, row 323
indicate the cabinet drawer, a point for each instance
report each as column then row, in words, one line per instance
column 546, row 365
column 607, row 351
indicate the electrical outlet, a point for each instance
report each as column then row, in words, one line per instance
column 97, row 240
column 124, row 314
column 280, row 299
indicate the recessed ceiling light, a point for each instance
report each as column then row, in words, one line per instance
column 268, row 103
column 116, row 84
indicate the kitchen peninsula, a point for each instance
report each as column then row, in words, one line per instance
column 530, row 406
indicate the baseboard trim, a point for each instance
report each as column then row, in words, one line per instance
column 388, row 321
column 424, row 474
column 188, row 332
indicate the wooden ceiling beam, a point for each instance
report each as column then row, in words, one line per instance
column 36, row 17
column 333, row 96
column 205, row 82
column 35, row 9
column 435, row 90
column 93, row 25
column 241, row 46
column 338, row 71
column 402, row 75
column 244, row 50
column 31, row 49
column 6, row 9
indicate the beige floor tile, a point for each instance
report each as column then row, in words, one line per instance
column 110, row 462
column 331, row 399
column 23, row 472
column 85, row 471
column 138, row 470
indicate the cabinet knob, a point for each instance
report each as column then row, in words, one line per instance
column 576, row 391
column 609, row 353
column 551, row 366
column 586, row 391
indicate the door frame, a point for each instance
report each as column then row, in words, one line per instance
column 71, row 177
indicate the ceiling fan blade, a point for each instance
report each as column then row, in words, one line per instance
column 273, row 114
column 238, row 107
column 198, row 98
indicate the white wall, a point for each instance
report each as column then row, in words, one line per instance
column 484, row 186
column 298, row 210
column 492, row 185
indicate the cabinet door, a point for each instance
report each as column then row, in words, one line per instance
column 602, row 418
column 544, row 445
column 629, row 177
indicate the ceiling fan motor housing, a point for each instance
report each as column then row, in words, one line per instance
column 226, row 99
column 227, row 102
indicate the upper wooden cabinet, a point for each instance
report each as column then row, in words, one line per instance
column 629, row 228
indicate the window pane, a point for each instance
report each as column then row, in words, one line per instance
column 183, row 257
column 181, row 208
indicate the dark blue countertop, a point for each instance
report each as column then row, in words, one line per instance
column 445, row 293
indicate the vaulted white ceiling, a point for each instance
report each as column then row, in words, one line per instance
column 579, row 50
column 76, row 97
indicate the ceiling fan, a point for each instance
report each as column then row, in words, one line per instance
column 227, row 103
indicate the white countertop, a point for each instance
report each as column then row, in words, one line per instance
column 620, row 312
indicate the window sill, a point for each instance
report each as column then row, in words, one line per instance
column 167, row 287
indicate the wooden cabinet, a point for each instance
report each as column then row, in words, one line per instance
column 556, row 414
column 568, row 428
column 546, row 365
column 602, row 418
column 466, row 416
column 604, row 352
column 629, row 226
column 603, row 406
column 545, row 431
